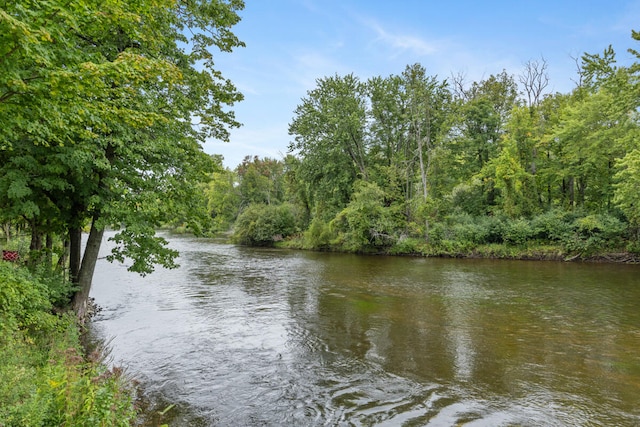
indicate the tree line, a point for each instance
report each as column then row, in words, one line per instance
column 412, row 163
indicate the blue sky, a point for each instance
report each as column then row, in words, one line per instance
column 291, row 43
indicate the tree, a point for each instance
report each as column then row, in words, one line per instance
column 365, row 223
column 627, row 196
column 262, row 225
column 329, row 131
column 122, row 97
column 260, row 180
column 482, row 113
column 627, row 176
column 484, row 109
column 223, row 199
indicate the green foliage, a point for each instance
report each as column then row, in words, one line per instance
column 329, row 130
column 140, row 244
column 469, row 197
column 411, row 163
column 263, row 225
column 46, row 381
column 96, row 115
column 409, row 246
column 553, row 226
column 516, row 186
column 223, row 199
column 518, row 232
column 24, row 301
column 365, row 223
column 627, row 187
column 261, row 181
column 319, row 235
column 595, row 232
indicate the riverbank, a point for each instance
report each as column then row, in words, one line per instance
column 530, row 252
column 47, row 376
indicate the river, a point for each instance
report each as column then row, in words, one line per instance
column 262, row 337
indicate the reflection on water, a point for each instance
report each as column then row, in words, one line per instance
column 240, row 336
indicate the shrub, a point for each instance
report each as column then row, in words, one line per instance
column 318, row 236
column 518, row 232
column 595, row 232
column 24, row 302
column 476, row 230
column 495, row 228
column 366, row 222
column 45, row 378
column 262, row 225
column 408, row 246
column 552, row 226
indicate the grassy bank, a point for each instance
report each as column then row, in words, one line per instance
column 551, row 236
column 47, row 379
column 531, row 251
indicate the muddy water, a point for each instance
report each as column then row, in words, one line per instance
column 259, row 337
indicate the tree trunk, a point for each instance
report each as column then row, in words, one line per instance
column 64, row 258
column 85, row 274
column 75, row 251
column 36, row 238
column 49, row 250
column 6, row 227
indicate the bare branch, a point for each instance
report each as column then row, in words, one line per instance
column 579, row 71
column 535, row 80
column 458, row 82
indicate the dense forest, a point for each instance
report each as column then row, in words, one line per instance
column 416, row 164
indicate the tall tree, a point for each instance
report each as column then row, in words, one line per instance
column 122, row 97
column 329, row 130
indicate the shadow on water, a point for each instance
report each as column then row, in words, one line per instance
column 240, row 336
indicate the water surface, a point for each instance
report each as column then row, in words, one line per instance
column 262, row 337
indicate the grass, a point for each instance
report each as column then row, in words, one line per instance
column 47, row 379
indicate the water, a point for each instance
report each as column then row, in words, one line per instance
column 260, row 337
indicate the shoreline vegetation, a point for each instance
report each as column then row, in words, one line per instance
column 499, row 252
column 554, row 236
column 49, row 377
column 418, row 164
column 491, row 251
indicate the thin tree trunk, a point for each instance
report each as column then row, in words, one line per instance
column 85, row 274
column 75, row 253
column 64, row 258
column 49, row 250
column 423, row 174
column 6, row 227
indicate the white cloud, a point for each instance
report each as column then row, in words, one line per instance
column 309, row 66
column 402, row 43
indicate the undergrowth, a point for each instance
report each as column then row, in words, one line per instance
column 47, row 380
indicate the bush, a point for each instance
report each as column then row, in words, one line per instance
column 24, row 302
column 262, row 225
column 518, row 232
column 495, row 228
column 318, row 236
column 475, row 230
column 595, row 232
column 46, row 380
column 552, row 226
column 408, row 246
column 366, row 222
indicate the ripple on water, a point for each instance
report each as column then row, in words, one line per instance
column 244, row 337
